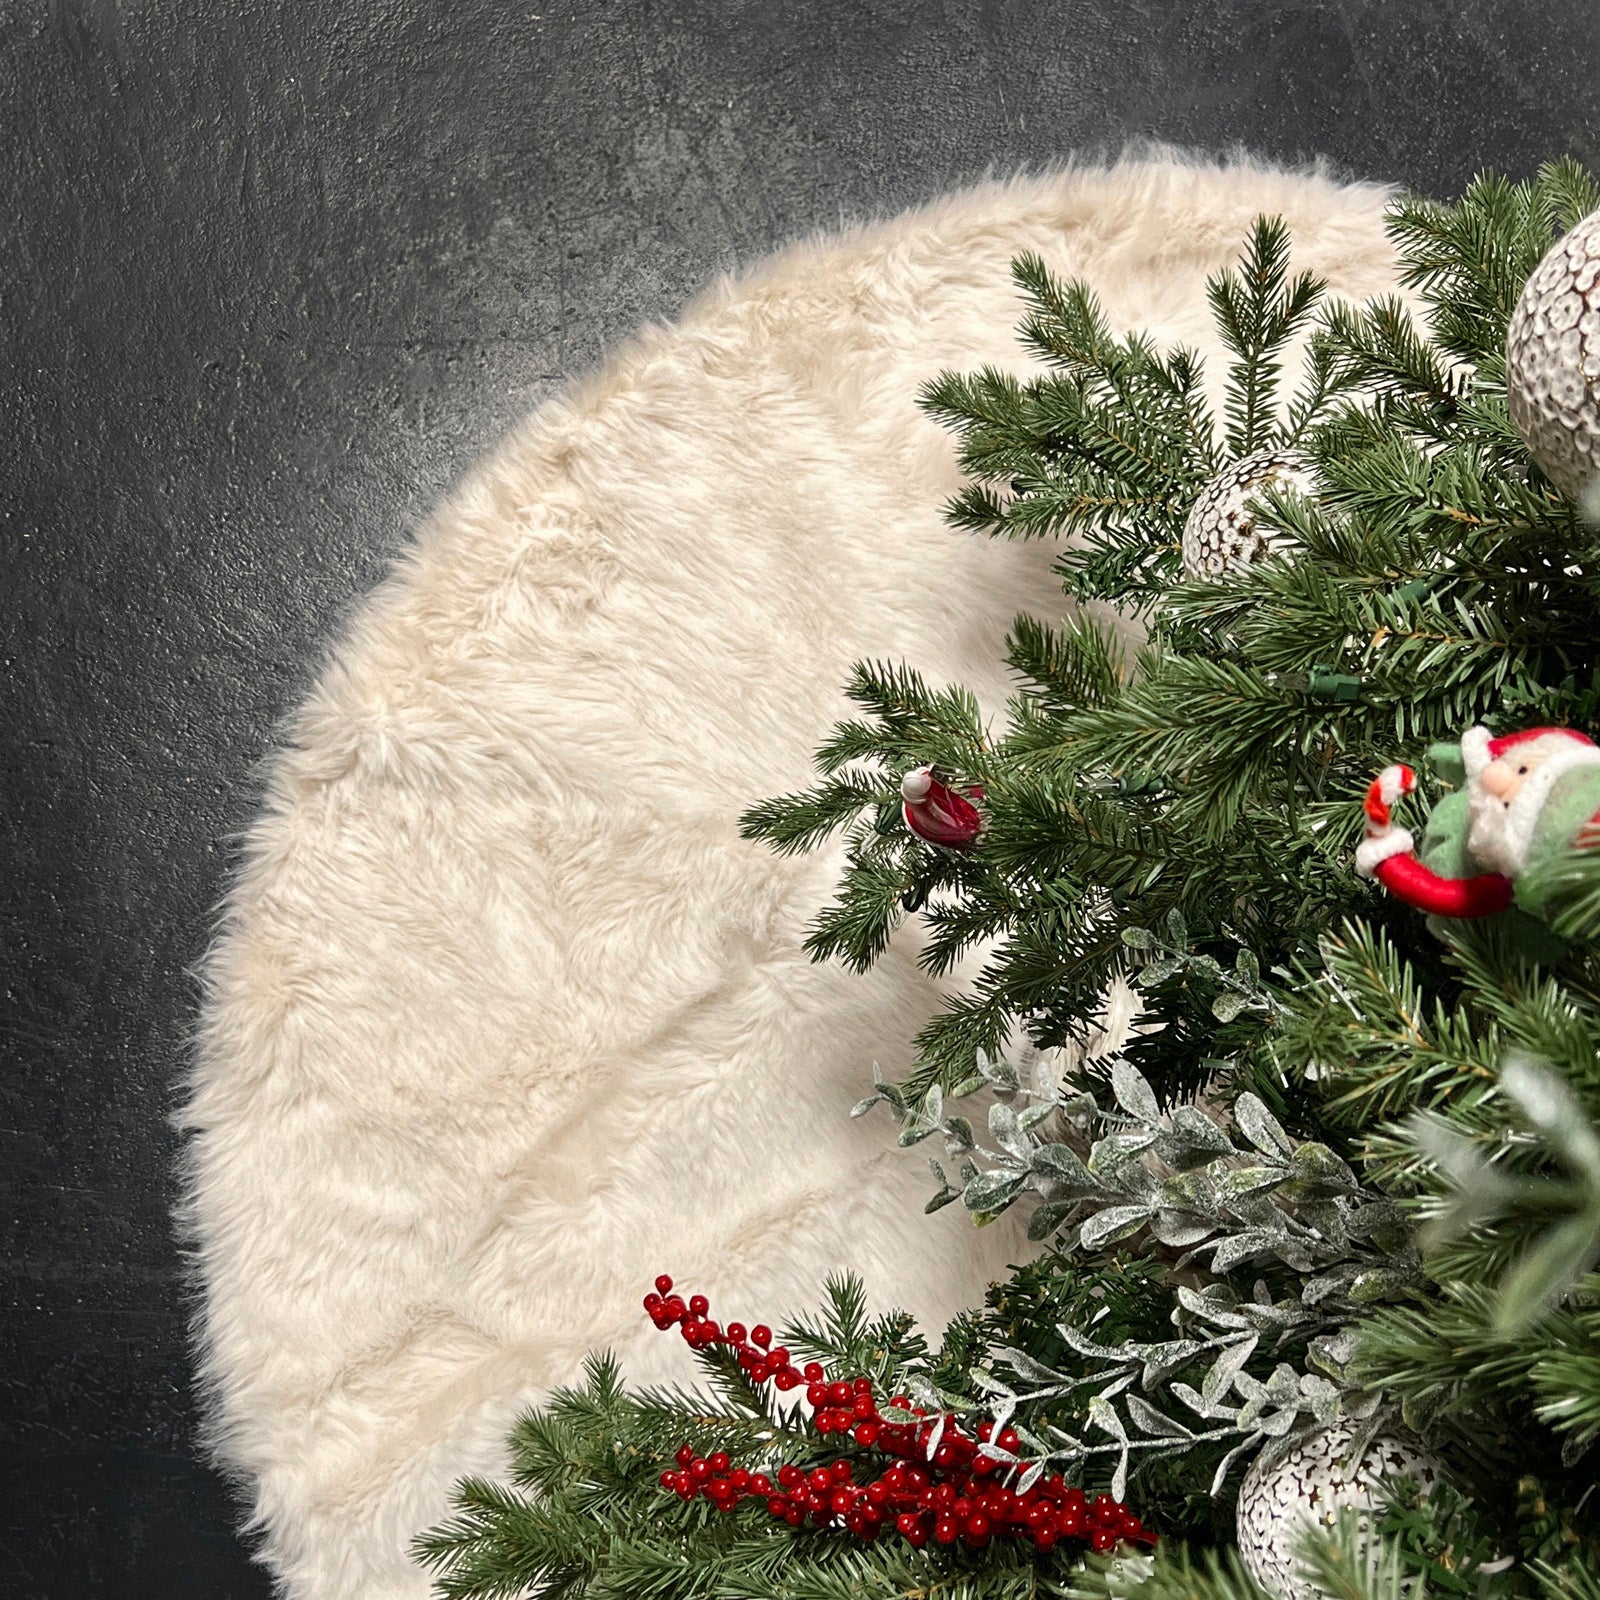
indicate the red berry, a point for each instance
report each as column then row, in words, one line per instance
column 978, row 1526
column 791, row 1477
column 777, row 1505
column 740, row 1479
column 674, row 1308
column 812, row 1372
column 698, row 1305
column 820, row 1479
column 946, row 1531
column 866, row 1434
column 668, row 1479
column 761, row 1334
column 736, row 1332
column 841, row 1471
column 794, row 1516
column 787, row 1379
column 1102, row 1539
column 1009, row 1440
column 684, row 1487
column 817, row 1395
column 780, row 1358
column 1045, row 1540
column 718, row 1460
column 760, row 1483
column 663, row 1284
column 699, row 1469
column 864, row 1406
column 684, row 1455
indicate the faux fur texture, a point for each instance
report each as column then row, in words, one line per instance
column 503, row 1018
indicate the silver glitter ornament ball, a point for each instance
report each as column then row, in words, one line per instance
column 1220, row 533
column 1312, row 1484
column 1553, row 361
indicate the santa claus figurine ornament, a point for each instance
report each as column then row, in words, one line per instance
column 1517, row 803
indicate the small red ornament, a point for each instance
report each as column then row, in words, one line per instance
column 936, row 812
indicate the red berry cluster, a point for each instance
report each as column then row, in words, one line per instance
column 954, row 1493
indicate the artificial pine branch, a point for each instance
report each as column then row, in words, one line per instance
column 1401, row 1211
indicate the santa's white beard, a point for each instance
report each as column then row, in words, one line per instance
column 1493, row 838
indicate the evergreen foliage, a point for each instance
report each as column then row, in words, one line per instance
column 586, row 1514
column 1345, row 1164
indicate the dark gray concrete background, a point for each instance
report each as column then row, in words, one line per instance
column 274, row 274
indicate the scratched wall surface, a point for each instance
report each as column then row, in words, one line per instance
column 273, row 274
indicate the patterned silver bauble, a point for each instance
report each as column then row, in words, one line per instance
column 1220, row 533
column 1312, row 1483
column 1553, row 361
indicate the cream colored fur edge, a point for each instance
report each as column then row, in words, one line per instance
column 502, row 1018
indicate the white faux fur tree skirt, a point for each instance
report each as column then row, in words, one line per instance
column 503, row 1017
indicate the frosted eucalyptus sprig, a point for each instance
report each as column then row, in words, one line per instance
column 1215, row 1198
column 1169, row 954
column 1219, row 1335
column 1098, row 1177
